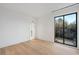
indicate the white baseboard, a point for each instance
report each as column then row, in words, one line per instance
column 14, row 43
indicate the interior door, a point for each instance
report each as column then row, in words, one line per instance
column 32, row 31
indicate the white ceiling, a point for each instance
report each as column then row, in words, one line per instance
column 35, row 9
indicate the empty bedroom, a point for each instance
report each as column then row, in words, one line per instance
column 39, row 29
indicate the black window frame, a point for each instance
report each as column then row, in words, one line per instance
column 63, row 28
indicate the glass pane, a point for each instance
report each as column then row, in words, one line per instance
column 59, row 29
column 70, row 29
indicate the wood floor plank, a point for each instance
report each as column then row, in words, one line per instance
column 0, row 51
column 39, row 47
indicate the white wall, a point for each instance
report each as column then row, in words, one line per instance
column 14, row 27
column 45, row 28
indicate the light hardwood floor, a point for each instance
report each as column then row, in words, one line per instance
column 39, row 47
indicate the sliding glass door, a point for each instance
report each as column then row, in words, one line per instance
column 70, row 31
column 66, row 29
column 59, row 29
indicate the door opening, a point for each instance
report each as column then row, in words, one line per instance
column 32, row 30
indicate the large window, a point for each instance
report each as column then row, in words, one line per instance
column 66, row 29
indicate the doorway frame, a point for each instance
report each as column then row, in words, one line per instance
column 63, row 28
